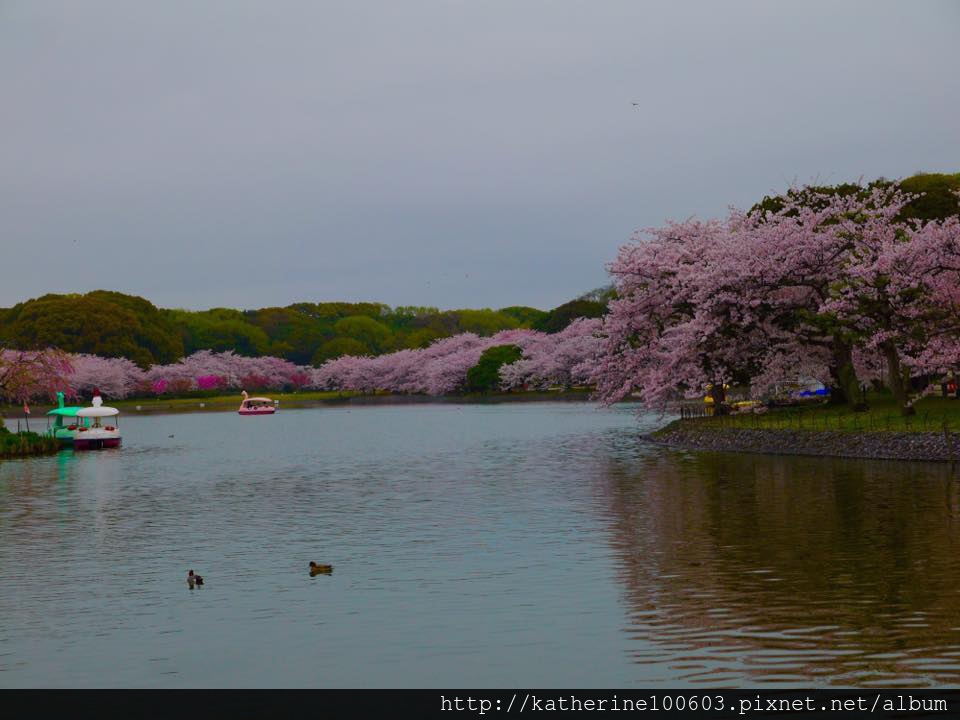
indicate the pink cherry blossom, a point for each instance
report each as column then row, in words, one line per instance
column 116, row 378
column 28, row 374
column 822, row 287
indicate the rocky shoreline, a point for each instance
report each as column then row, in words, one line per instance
column 927, row 446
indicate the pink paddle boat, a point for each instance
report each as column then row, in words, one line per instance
column 256, row 405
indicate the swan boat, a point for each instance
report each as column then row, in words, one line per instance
column 256, row 405
column 102, row 431
column 62, row 421
column 85, row 428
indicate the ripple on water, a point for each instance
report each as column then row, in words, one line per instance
column 523, row 544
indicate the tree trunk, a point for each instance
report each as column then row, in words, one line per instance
column 846, row 387
column 719, row 397
column 897, row 384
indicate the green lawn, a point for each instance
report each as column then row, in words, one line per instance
column 229, row 401
column 224, row 402
column 933, row 413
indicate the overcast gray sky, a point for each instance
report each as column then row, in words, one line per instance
column 447, row 153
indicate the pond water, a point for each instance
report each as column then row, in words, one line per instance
column 509, row 545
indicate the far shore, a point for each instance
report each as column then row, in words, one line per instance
column 306, row 399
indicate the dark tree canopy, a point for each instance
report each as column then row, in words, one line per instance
column 485, row 375
column 937, row 195
column 338, row 347
column 939, row 198
column 558, row 318
column 99, row 322
column 527, row 317
column 219, row 329
column 373, row 334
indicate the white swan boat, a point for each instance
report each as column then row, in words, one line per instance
column 101, row 432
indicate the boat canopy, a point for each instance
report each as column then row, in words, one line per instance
column 96, row 412
column 65, row 411
column 250, row 400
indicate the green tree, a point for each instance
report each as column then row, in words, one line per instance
column 939, row 198
column 526, row 317
column 101, row 322
column 558, row 318
column 219, row 329
column 333, row 311
column 484, row 322
column 375, row 335
column 420, row 338
column 293, row 334
column 407, row 316
column 485, row 375
column 337, row 347
column 937, row 195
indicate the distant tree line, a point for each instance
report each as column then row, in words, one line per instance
column 115, row 325
column 508, row 360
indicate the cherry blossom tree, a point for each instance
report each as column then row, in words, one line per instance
column 27, row 374
column 565, row 358
column 804, row 286
column 899, row 295
column 658, row 339
column 206, row 370
column 114, row 377
column 212, row 382
column 442, row 367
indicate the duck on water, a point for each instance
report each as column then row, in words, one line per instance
column 319, row 569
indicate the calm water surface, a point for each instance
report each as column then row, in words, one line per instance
column 481, row 545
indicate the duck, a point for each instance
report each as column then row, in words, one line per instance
column 193, row 579
column 320, row 569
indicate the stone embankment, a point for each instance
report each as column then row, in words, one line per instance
column 936, row 446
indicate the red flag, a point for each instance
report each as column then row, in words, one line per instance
column 26, row 408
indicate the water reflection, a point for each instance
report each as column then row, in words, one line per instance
column 756, row 569
column 538, row 545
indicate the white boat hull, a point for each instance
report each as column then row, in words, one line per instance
column 96, row 439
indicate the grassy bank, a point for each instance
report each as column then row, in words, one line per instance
column 219, row 403
column 933, row 414
column 881, row 433
column 21, row 444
